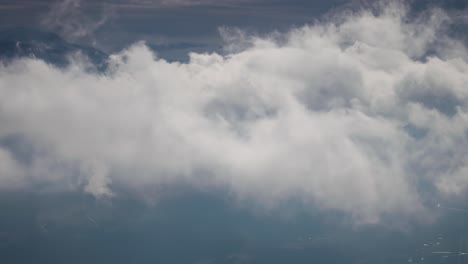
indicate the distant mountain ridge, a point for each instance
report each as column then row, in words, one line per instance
column 47, row 46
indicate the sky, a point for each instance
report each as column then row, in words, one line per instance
column 119, row 23
column 112, row 25
column 290, row 132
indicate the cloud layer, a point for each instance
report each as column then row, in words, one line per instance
column 362, row 115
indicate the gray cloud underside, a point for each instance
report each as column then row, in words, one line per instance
column 354, row 116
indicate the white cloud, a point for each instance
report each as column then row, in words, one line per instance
column 348, row 116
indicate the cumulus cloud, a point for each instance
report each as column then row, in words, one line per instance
column 354, row 115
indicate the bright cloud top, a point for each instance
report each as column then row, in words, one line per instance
column 354, row 115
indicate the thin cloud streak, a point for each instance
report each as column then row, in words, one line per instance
column 70, row 19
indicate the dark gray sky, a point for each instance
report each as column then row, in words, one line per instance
column 113, row 24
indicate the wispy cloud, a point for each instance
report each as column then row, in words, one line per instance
column 71, row 19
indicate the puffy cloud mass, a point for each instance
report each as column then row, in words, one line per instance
column 364, row 115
